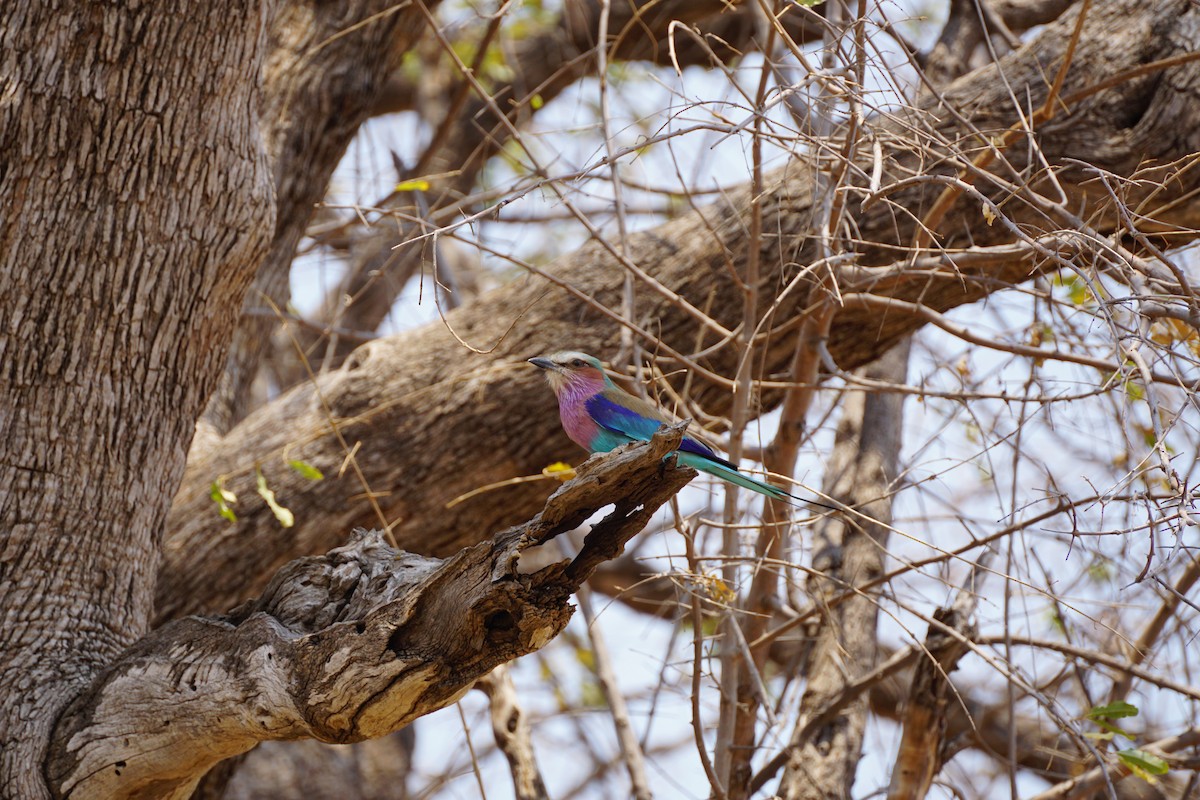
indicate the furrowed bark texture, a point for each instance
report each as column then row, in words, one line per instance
column 347, row 646
column 822, row 763
column 137, row 205
column 411, row 399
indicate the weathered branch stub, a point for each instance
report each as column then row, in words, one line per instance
column 346, row 646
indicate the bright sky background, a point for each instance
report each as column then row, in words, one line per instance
column 960, row 456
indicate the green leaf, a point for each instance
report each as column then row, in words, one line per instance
column 223, row 498
column 415, row 185
column 307, row 470
column 1117, row 710
column 285, row 517
column 1144, row 765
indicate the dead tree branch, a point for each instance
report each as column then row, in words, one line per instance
column 347, row 646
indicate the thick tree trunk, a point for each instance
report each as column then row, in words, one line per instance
column 410, row 400
column 137, row 205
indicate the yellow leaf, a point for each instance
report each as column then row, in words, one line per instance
column 989, row 216
column 417, row 185
column 559, row 470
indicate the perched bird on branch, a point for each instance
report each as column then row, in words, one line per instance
column 598, row 415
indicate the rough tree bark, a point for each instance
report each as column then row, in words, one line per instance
column 409, row 399
column 347, row 646
column 137, row 205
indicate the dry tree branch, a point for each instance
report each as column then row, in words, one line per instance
column 1141, row 649
column 738, row 704
column 864, row 300
column 403, row 393
column 924, row 724
column 347, row 646
column 323, row 58
column 545, row 62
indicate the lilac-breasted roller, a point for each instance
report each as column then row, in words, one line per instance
column 598, row 415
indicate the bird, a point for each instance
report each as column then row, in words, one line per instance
column 598, row 416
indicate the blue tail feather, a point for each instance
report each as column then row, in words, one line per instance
column 731, row 475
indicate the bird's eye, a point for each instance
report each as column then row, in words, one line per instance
column 577, row 362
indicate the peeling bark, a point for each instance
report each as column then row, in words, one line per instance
column 347, row 646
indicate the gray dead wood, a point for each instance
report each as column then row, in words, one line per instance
column 346, row 646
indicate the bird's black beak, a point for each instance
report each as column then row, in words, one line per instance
column 543, row 363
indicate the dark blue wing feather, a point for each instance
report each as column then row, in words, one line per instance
column 622, row 417
column 619, row 418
